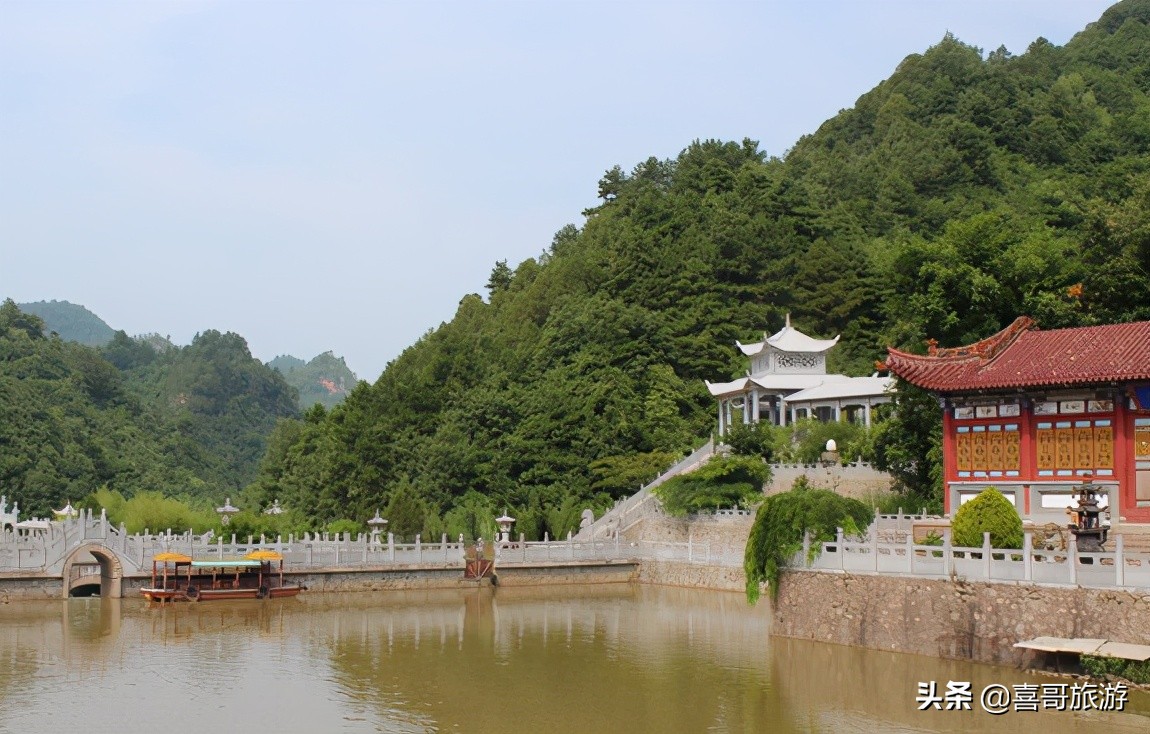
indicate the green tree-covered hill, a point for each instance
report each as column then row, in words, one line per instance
column 189, row 422
column 962, row 191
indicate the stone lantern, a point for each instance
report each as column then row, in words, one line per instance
column 505, row 523
column 831, row 455
column 1086, row 521
column 275, row 509
column 227, row 511
column 377, row 524
column 830, row 461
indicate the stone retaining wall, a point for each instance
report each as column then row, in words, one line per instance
column 952, row 618
column 691, row 575
column 728, row 531
column 860, row 481
column 25, row 586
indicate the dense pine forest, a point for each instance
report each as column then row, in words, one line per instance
column 966, row 189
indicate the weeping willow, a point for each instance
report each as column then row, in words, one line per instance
column 777, row 533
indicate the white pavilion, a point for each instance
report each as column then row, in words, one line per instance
column 788, row 376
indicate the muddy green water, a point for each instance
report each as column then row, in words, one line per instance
column 612, row 658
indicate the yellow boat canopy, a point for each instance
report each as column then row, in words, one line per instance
column 168, row 557
column 264, row 555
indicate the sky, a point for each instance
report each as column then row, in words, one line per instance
column 338, row 175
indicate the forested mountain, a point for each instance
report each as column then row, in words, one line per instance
column 190, row 422
column 962, row 191
column 71, row 321
column 326, row 379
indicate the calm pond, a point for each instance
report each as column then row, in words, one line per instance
column 611, row 658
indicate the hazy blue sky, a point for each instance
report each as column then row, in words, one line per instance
column 337, row 175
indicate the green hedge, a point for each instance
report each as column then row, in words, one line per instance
column 1132, row 670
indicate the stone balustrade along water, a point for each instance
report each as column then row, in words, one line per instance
column 75, row 544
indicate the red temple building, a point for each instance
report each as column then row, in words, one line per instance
column 1035, row 413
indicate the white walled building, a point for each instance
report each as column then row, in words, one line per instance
column 788, row 380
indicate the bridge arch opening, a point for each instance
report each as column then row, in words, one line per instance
column 91, row 567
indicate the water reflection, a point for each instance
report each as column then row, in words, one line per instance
column 836, row 688
column 533, row 659
column 610, row 658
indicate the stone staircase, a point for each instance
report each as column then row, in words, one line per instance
column 641, row 505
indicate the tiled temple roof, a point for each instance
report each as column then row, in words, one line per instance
column 1021, row 355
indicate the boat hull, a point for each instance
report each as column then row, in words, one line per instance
column 168, row 595
column 176, row 577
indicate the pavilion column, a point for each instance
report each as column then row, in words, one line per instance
column 755, row 405
column 866, row 413
column 722, row 424
column 783, row 412
column 838, row 412
column 728, row 412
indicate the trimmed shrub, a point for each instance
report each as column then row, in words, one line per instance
column 777, row 533
column 989, row 512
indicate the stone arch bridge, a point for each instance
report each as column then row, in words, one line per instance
column 83, row 556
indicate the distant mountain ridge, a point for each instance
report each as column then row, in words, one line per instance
column 71, row 321
column 325, row 379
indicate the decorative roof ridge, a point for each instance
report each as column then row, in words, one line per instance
column 985, row 349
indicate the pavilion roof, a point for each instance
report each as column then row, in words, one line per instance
column 786, row 384
column 789, row 383
column 724, row 388
column 852, row 387
column 1021, row 355
column 789, row 339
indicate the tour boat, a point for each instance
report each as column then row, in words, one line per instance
column 176, row 577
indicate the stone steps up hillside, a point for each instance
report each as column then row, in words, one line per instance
column 642, row 504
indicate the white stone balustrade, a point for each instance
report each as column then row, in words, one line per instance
column 1111, row 569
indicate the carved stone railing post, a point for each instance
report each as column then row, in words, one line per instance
column 1119, row 561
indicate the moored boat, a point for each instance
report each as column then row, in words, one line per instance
column 176, row 577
